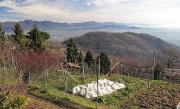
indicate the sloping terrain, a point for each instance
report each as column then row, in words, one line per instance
column 33, row 102
column 122, row 44
column 162, row 94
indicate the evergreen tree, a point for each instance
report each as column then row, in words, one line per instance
column 38, row 38
column 18, row 35
column 89, row 59
column 2, row 35
column 80, row 58
column 72, row 53
column 158, row 72
column 104, row 62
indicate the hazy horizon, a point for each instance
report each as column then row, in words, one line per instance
column 159, row 13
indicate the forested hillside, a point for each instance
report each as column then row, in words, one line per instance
column 137, row 45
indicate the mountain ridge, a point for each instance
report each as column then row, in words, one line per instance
column 49, row 25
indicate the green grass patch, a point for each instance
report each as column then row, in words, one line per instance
column 134, row 96
column 55, row 91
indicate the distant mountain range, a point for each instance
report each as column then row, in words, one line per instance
column 63, row 31
column 131, row 44
column 48, row 25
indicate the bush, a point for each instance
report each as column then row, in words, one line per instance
column 9, row 102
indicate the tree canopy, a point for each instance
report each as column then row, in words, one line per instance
column 38, row 38
column 2, row 35
column 89, row 58
column 72, row 51
column 18, row 35
column 169, row 57
column 80, row 58
column 104, row 63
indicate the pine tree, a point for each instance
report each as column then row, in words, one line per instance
column 38, row 38
column 18, row 35
column 104, row 62
column 72, row 53
column 89, row 59
column 2, row 35
column 80, row 58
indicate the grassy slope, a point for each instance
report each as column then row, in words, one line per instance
column 162, row 94
column 33, row 102
column 56, row 94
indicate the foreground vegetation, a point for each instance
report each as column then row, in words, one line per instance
column 162, row 94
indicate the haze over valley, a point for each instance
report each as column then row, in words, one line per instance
column 63, row 31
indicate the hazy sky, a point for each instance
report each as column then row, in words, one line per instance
column 164, row 12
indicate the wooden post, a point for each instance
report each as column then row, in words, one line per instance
column 97, row 85
column 117, row 66
column 82, row 70
column 132, row 73
column 121, row 68
column 99, row 66
column 111, row 67
column 148, row 93
column 154, row 63
column 46, row 74
column 29, row 77
column 65, row 74
column 141, row 72
column 4, row 70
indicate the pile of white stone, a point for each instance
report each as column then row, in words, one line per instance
column 104, row 87
column 178, row 106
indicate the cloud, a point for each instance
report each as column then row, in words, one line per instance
column 8, row 3
column 35, row 9
column 127, row 11
column 106, row 2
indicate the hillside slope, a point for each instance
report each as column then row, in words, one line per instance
column 122, row 44
column 162, row 95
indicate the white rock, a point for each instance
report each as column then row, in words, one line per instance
column 115, row 87
column 110, row 83
column 103, row 91
column 104, row 87
column 108, row 90
column 83, row 92
column 121, row 85
column 74, row 91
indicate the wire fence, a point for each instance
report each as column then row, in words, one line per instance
column 10, row 74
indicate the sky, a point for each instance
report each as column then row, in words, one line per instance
column 165, row 13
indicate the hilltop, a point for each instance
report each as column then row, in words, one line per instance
column 131, row 44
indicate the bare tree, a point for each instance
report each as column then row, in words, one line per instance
column 169, row 57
